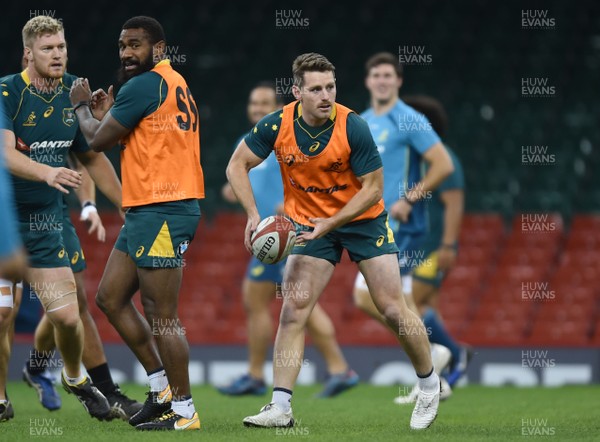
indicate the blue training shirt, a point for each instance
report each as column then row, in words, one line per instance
column 266, row 185
column 455, row 181
column 402, row 136
column 9, row 239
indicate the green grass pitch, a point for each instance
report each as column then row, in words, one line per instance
column 365, row 413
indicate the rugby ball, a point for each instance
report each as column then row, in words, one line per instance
column 273, row 239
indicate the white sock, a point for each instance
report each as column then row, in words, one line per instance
column 158, row 381
column 282, row 399
column 74, row 381
column 430, row 384
column 184, row 408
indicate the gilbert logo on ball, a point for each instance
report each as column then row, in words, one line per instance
column 273, row 239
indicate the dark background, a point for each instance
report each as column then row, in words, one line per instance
column 479, row 54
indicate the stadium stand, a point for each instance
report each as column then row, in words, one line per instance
column 508, row 286
column 477, row 75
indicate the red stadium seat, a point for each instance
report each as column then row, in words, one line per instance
column 586, row 223
column 486, row 332
column 560, row 333
column 487, row 221
column 583, row 240
column 474, row 255
column 536, row 225
column 481, row 299
column 526, row 255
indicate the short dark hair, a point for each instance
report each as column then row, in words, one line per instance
column 432, row 109
column 270, row 85
column 310, row 62
column 384, row 58
column 152, row 27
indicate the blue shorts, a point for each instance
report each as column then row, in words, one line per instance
column 257, row 271
column 411, row 254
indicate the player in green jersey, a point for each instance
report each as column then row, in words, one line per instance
column 44, row 128
column 94, row 359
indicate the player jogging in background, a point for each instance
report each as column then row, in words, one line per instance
column 333, row 182
column 43, row 130
column 155, row 119
column 440, row 246
column 406, row 142
column 262, row 280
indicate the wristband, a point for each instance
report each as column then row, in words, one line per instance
column 88, row 208
column 81, row 103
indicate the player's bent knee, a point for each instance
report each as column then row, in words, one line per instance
column 57, row 295
column 66, row 318
column 391, row 313
column 68, row 322
column 291, row 315
column 59, row 300
column 149, row 307
column 101, row 301
column 105, row 303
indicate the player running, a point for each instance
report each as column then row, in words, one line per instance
column 333, row 182
column 262, row 281
column 155, row 119
column 43, row 129
column 406, row 142
column 440, row 246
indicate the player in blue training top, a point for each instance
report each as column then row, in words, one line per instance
column 261, row 283
column 446, row 209
column 12, row 257
column 407, row 143
column 12, row 265
column 440, row 247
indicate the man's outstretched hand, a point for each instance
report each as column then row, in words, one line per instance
column 58, row 177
